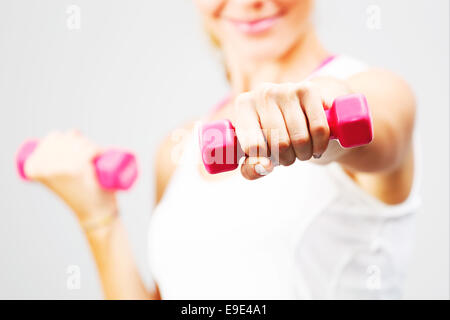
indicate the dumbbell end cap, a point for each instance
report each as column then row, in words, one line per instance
column 25, row 150
column 354, row 121
column 219, row 146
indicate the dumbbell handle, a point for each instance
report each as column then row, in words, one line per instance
column 115, row 169
column 348, row 119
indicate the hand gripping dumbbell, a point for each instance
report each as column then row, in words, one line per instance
column 348, row 118
column 115, row 169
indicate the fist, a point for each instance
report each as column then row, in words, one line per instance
column 279, row 123
column 63, row 163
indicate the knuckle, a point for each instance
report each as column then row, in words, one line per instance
column 284, row 145
column 292, row 95
column 305, row 156
column 288, row 159
column 300, row 139
column 305, row 88
column 301, row 90
column 243, row 100
column 269, row 91
column 319, row 130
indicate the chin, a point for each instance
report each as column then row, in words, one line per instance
column 267, row 50
column 262, row 48
column 262, row 44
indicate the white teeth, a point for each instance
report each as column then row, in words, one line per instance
column 261, row 170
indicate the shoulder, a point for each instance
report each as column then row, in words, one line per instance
column 393, row 108
column 167, row 156
column 385, row 88
column 381, row 79
column 363, row 76
column 382, row 87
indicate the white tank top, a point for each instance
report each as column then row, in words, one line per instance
column 304, row 231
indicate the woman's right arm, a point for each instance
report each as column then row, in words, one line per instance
column 116, row 266
column 63, row 163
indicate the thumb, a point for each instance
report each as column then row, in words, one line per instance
column 256, row 167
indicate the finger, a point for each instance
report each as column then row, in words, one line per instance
column 297, row 126
column 256, row 167
column 81, row 145
column 274, row 129
column 248, row 128
column 312, row 105
column 36, row 166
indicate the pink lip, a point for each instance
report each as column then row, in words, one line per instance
column 255, row 26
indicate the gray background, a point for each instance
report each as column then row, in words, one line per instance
column 137, row 69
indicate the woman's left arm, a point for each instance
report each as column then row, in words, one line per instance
column 290, row 119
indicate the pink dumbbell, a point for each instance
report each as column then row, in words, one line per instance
column 115, row 169
column 349, row 121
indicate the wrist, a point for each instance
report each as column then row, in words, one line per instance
column 99, row 221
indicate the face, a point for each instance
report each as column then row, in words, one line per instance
column 256, row 29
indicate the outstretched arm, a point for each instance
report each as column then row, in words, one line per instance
column 290, row 119
column 392, row 105
column 115, row 263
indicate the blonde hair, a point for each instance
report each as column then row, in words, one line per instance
column 214, row 40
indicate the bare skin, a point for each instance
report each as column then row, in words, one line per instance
column 269, row 48
column 383, row 168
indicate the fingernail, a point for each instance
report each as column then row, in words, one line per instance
column 317, row 156
column 259, row 168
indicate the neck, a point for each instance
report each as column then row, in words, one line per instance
column 296, row 64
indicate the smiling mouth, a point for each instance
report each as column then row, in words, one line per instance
column 257, row 26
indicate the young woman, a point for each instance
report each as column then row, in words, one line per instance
column 312, row 220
